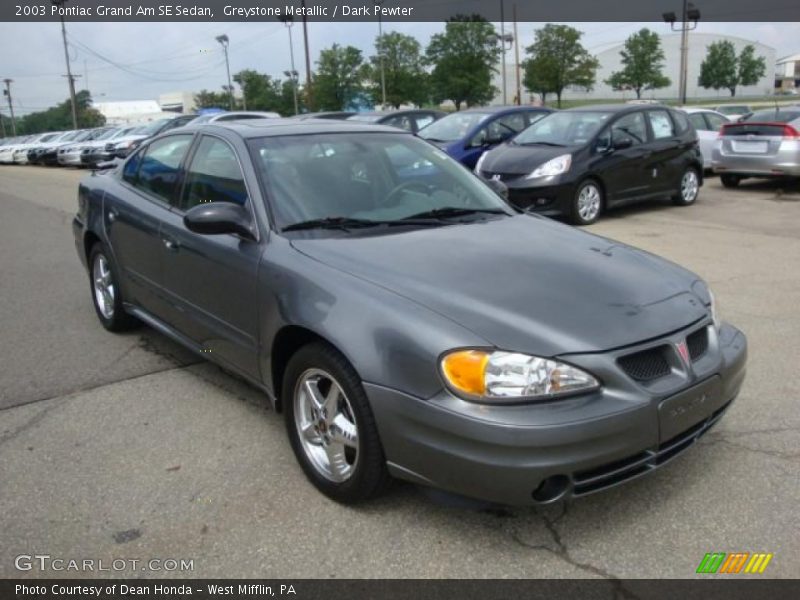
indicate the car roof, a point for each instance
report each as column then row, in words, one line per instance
column 615, row 108
column 501, row 109
column 391, row 113
column 259, row 128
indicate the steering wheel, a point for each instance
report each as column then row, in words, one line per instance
column 406, row 185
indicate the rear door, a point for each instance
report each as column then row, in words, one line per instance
column 211, row 279
column 666, row 162
column 626, row 172
column 134, row 211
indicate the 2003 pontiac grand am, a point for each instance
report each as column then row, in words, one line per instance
column 403, row 316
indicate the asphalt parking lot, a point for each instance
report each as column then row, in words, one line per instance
column 128, row 447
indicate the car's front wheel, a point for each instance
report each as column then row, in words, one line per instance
column 688, row 188
column 331, row 426
column 105, row 290
column 730, row 181
column 587, row 203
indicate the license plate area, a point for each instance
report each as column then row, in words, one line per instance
column 750, row 147
column 682, row 411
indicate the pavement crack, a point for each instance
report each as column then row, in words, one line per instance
column 561, row 550
column 772, row 453
column 29, row 424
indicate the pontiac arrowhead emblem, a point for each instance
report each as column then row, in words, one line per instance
column 683, row 351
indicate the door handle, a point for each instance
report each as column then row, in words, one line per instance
column 171, row 245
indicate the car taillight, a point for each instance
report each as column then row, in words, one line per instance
column 790, row 133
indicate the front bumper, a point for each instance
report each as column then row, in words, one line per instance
column 584, row 444
column 549, row 196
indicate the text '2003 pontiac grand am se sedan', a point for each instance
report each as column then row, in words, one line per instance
column 405, row 318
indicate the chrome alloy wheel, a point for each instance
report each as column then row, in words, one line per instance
column 689, row 187
column 326, row 425
column 104, row 292
column 589, row 202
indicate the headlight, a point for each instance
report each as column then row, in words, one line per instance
column 479, row 163
column 555, row 166
column 507, row 376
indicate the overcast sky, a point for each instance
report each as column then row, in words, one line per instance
column 155, row 58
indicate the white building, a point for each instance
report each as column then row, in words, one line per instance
column 130, row 111
column 787, row 72
column 610, row 61
column 179, row 102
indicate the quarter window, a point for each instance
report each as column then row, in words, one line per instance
column 159, row 170
column 715, row 121
column 214, row 175
column 661, row 124
column 631, row 126
column 698, row 122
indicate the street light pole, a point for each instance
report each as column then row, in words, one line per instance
column 309, row 87
column 224, row 42
column 288, row 21
column 8, row 83
column 690, row 15
column 70, row 78
column 380, row 53
column 516, row 57
column 502, row 36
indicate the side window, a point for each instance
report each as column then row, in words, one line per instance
column 698, row 122
column 131, row 169
column 159, row 170
column 661, row 124
column 715, row 121
column 402, row 122
column 214, row 175
column 631, row 126
column 515, row 121
column 423, row 120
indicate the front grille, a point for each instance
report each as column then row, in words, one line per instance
column 646, row 365
column 697, row 343
column 611, row 474
column 503, row 176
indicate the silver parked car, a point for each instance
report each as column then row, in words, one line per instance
column 765, row 144
column 707, row 123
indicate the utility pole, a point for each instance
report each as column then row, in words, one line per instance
column 7, row 92
column 502, row 37
column 516, row 56
column 2, row 124
column 70, row 78
column 690, row 15
column 224, row 41
column 309, row 87
column 289, row 21
column 377, row 4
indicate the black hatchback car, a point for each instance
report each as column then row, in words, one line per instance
column 579, row 162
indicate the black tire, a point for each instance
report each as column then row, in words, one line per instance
column 117, row 319
column 581, row 213
column 688, row 187
column 730, row 181
column 369, row 476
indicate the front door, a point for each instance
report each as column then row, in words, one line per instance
column 211, row 279
column 625, row 171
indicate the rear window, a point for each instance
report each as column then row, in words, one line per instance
column 774, row 116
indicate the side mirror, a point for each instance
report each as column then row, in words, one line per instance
column 622, row 143
column 220, row 217
column 498, row 187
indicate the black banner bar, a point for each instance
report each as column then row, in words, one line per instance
column 730, row 587
column 392, row 10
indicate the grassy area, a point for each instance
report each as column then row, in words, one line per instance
column 749, row 100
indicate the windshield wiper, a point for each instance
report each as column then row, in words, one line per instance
column 540, row 144
column 348, row 223
column 453, row 211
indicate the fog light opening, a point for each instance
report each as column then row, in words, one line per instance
column 551, row 489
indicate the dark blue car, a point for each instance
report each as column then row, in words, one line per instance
column 467, row 134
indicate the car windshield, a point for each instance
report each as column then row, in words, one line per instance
column 569, row 128
column 774, row 116
column 367, row 178
column 452, row 127
column 152, row 128
column 365, row 118
column 204, row 118
column 49, row 137
column 733, row 109
column 108, row 134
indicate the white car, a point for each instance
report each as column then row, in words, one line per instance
column 20, row 152
column 707, row 123
column 236, row 115
column 70, row 155
column 734, row 111
column 8, row 147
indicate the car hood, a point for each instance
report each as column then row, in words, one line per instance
column 524, row 283
column 521, row 160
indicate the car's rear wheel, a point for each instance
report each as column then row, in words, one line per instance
column 331, row 426
column 588, row 203
column 730, row 181
column 106, row 295
column 688, row 188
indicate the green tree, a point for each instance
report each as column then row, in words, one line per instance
column 210, row 99
column 340, row 77
column 463, row 59
column 406, row 79
column 643, row 62
column 557, row 59
column 719, row 68
column 751, row 67
column 59, row 117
